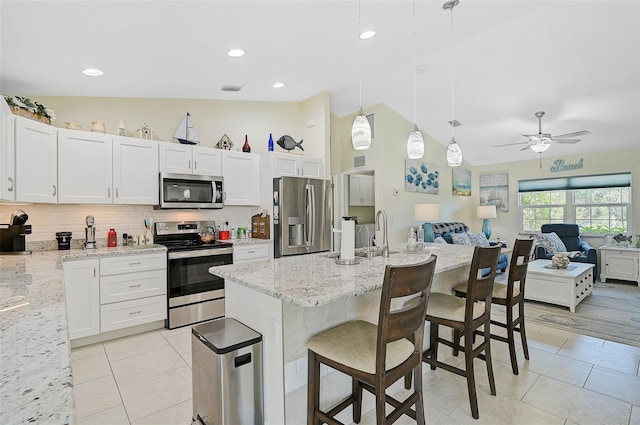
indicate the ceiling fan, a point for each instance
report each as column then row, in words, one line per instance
column 540, row 142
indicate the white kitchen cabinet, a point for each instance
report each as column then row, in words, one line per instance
column 133, row 290
column 187, row 159
column 361, row 190
column 36, row 164
column 7, row 153
column 247, row 253
column 82, row 292
column 85, row 167
column 135, row 171
column 620, row 263
column 241, row 172
column 286, row 164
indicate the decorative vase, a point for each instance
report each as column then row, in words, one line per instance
column 98, row 127
column 122, row 129
column 560, row 261
column 270, row 146
column 73, row 125
column 246, row 148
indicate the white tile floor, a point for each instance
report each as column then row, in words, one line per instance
column 570, row 379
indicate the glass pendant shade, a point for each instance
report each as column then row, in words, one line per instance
column 454, row 154
column 361, row 132
column 415, row 144
column 540, row 147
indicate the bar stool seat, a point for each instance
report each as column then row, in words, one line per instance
column 451, row 308
column 353, row 344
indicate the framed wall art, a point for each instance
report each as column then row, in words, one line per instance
column 461, row 182
column 421, row 177
column 494, row 190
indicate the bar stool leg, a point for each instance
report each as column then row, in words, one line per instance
column 511, row 340
column 523, row 334
column 488, row 361
column 433, row 346
column 313, row 389
column 471, row 378
column 357, row 401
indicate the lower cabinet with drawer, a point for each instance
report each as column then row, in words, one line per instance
column 245, row 253
column 134, row 312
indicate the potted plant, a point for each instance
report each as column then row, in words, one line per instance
column 28, row 108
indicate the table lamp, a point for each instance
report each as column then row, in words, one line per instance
column 486, row 212
column 427, row 213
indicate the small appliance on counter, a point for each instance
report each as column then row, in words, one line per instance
column 90, row 233
column 64, row 240
column 12, row 235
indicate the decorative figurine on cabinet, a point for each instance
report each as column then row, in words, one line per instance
column 145, row 132
column 224, row 143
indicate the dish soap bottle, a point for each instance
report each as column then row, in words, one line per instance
column 411, row 241
column 112, row 238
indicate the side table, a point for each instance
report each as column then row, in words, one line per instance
column 620, row 262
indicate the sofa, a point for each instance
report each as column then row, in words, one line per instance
column 445, row 230
column 569, row 234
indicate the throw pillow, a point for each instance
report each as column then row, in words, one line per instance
column 440, row 239
column 551, row 242
column 460, row 238
column 479, row 239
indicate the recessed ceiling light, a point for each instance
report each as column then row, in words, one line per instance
column 236, row 53
column 278, row 85
column 92, row 72
column 367, row 34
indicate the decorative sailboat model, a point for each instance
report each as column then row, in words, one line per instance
column 185, row 133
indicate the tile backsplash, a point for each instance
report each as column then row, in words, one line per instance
column 46, row 220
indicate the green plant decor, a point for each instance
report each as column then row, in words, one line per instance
column 31, row 106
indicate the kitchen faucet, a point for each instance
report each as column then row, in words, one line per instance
column 385, row 240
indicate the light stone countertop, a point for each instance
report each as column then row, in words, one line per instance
column 36, row 385
column 314, row 279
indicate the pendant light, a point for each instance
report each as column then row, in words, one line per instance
column 361, row 129
column 415, row 142
column 454, row 153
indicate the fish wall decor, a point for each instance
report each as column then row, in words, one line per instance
column 287, row 142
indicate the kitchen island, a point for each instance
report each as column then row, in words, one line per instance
column 291, row 298
column 36, row 384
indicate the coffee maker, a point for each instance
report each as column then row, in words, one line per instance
column 12, row 235
column 90, row 233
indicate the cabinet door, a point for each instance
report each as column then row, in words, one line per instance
column 207, row 161
column 135, row 171
column 250, row 253
column 175, row 158
column 284, row 164
column 82, row 291
column 367, row 191
column 85, row 172
column 312, row 167
column 241, row 178
column 36, row 162
column 7, row 155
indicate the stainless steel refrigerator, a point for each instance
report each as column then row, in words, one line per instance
column 301, row 215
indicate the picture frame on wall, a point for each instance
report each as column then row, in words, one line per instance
column 461, row 182
column 421, row 177
column 494, row 190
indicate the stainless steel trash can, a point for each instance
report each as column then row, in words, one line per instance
column 227, row 373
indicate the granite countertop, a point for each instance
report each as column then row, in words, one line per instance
column 315, row 279
column 36, row 385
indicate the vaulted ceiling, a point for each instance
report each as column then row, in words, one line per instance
column 579, row 61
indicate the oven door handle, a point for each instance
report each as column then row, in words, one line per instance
column 199, row 253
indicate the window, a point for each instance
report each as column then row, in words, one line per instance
column 596, row 210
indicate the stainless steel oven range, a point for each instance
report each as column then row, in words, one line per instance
column 195, row 295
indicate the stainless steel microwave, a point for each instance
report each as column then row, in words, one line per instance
column 190, row 191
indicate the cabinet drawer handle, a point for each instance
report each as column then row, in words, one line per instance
column 195, row 165
column 10, row 181
column 189, row 166
column 135, row 264
column 251, row 252
column 135, row 286
column 136, row 312
column 94, row 272
column 55, row 190
column 117, row 194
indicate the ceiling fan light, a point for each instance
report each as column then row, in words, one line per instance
column 454, row 154
column 361, row 132
column 540, row 147
column 415, row 144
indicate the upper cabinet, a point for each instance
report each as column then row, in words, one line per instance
column 187, row 159
column 36, row 162
column 7, row 158
column 241, row 172
column 361, row 190
column 97, row 168
column 286, row 164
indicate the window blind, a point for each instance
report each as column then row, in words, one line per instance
column 597, row 181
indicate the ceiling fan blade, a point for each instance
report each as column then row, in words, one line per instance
column 527, row 147
column 511, row 144
column 577, row 133
column 530, row 135
column 567, row 141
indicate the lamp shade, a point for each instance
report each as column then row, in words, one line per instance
column 361, row 132
column 427, row 212
column 454, row 154
column 540, row 147
column 487, row 211
column 415, row 144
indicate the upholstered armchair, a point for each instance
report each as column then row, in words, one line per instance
column 569, row 234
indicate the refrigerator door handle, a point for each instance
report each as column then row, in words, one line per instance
column 310, row 215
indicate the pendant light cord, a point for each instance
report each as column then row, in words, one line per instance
column 360, row 52
column 415, row 93
column 453, row 127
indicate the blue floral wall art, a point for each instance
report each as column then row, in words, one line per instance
column 421, row 177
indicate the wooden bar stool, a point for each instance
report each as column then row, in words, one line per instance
column 377, row 356
column 509, row 296
column 466, row 316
